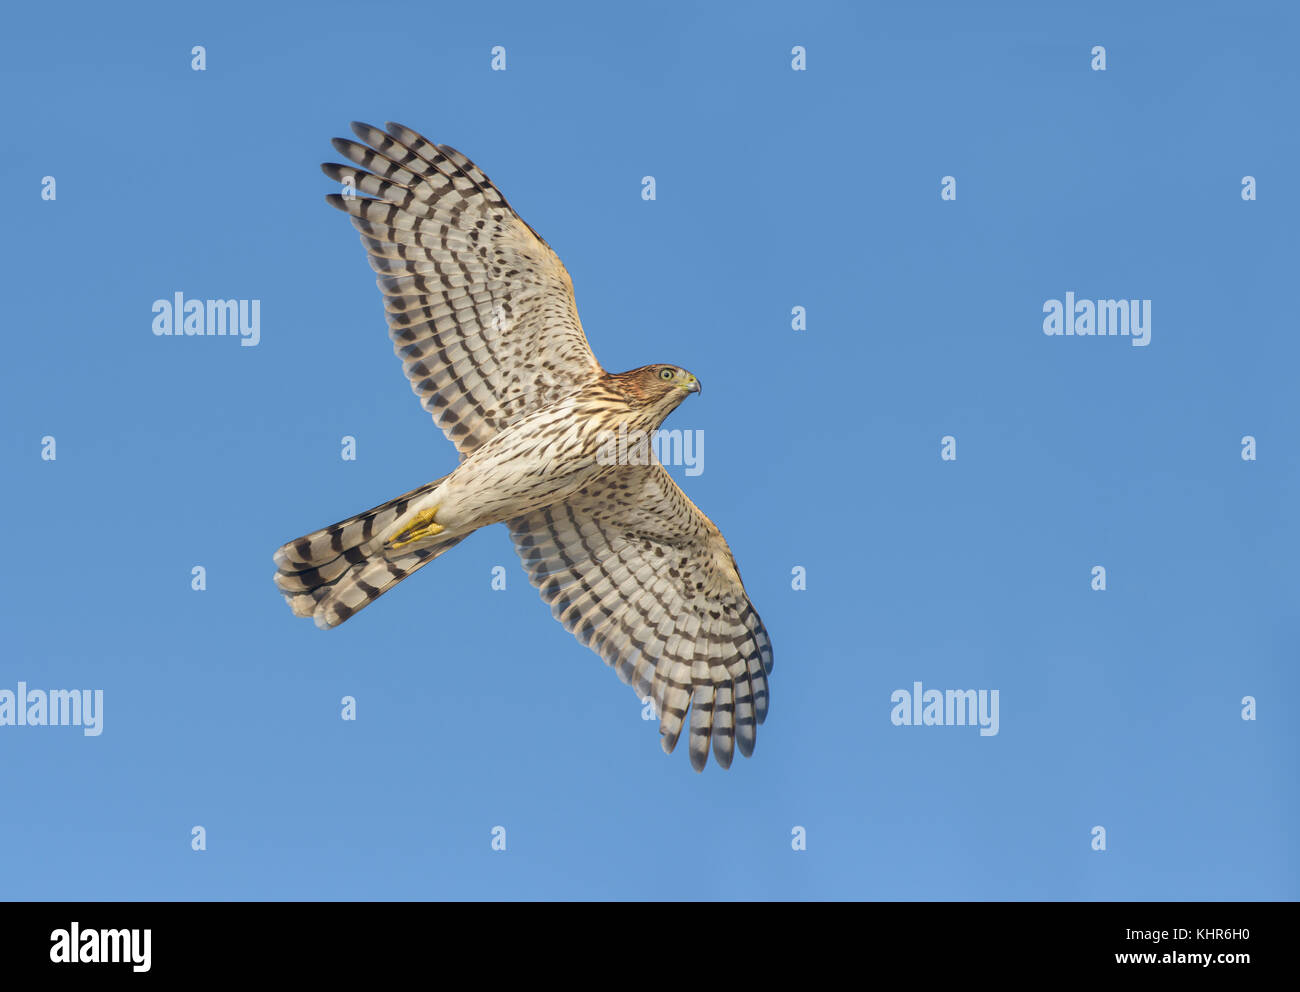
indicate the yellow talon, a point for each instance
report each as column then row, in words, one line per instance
column 421, row 527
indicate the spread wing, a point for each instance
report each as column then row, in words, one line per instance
column 480, row 309
column 633, row 568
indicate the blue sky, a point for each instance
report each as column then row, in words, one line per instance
column 775, row 188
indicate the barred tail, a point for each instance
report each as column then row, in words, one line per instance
column 333, row 572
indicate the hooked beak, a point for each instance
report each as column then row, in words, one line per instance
column 692, row 385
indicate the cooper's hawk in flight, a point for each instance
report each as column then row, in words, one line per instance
column 481, row 312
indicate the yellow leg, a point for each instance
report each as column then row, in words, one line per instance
column 421, row 527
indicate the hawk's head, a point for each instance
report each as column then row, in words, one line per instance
column 661, row 386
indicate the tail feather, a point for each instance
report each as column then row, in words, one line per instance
column 332, row 573
column 321, row 547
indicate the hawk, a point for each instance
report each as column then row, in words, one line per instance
column 482, row 314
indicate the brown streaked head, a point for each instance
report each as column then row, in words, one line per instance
column 657, row 385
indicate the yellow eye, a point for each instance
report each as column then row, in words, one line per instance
column 665, row 373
